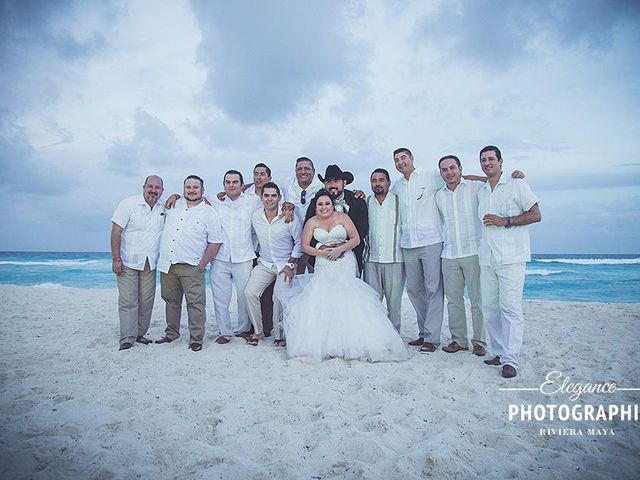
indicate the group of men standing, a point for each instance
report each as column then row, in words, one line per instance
column 440, row 231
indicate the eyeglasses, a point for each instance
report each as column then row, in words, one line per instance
column 303, row 197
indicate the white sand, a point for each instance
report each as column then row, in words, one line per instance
column 72, row 406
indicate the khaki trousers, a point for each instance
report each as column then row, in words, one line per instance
column 457, row 273
column 261, row 278
column 388, row 280
column 136, row 292
column 184, row 281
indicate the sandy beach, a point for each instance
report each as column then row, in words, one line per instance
column 73, row 406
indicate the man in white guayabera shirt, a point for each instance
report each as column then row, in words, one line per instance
column 135, row 241
column 279, row 244
column 383, row 266
column 191, row 238
column 234, row 261
column 506, row 207
column 421, row 243
column 457, row 204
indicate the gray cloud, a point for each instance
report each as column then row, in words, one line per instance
column 22, row 170
column 25, row 24
column 71, row 49
column 152, row 144
column 264, row 58
column 499, row 33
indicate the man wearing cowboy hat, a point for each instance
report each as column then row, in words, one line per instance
column 334, row 182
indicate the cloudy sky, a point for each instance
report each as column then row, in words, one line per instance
column 94, row 96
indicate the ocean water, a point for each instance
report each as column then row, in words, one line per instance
column 583, row 278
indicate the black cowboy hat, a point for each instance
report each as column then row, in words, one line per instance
column 333, row 171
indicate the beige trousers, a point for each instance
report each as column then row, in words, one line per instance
column 261, row 277
column 184, row 281
column 457, row 273
column 136, row 292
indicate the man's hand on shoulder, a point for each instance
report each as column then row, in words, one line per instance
column 171, row 201
column 359, row 194
column 287, row 211
column 517, row 174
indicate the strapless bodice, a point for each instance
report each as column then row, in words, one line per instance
column 337, row 234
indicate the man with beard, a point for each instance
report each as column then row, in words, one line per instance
column 383, row 267
column 135, row 242
column 191, row 238
column 346, row 202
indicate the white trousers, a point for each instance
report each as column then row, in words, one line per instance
column 501, row 291
column 222, row 276
column 261, row 277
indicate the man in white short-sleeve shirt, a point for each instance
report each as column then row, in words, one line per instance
column 421, row 243
column 506, row 207
column 457, row 204
column 135, row 240
column 383, row 266
column 191, row 238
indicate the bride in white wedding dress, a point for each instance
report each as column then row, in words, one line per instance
column 332, row 313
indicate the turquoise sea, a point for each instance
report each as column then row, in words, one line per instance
column 583, row 278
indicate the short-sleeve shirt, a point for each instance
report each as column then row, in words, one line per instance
column 187, row 233
column 458, row 211
column 511, row 197
column 420, row 221
column 141, row 230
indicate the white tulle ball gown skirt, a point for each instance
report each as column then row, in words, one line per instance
column 332, row 313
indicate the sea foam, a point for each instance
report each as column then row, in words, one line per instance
column 591, row 261
column 544, row 271
column 50, row 263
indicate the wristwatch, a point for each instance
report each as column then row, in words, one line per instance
column 292, row 266
column 508, row 225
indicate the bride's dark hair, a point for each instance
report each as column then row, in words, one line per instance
column 324, row 193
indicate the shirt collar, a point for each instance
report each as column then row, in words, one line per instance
column 462, row 182
column 226, row 197
column 503, row 179
column 278, row 216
